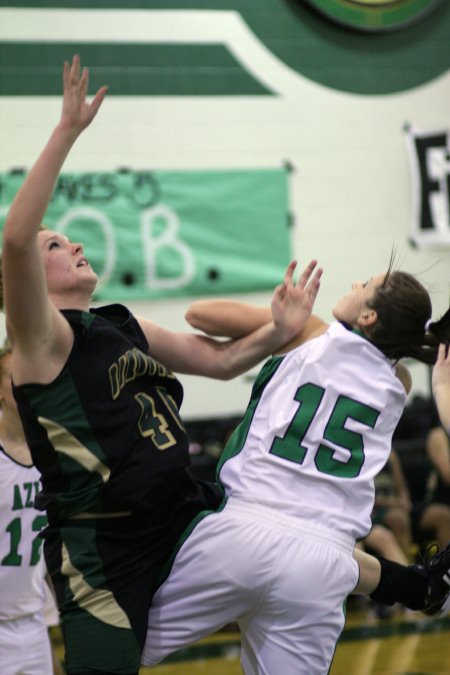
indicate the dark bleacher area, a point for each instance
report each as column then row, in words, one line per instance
column 207, row 440
column 419, row 417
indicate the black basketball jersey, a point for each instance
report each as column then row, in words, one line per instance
column 106, row 434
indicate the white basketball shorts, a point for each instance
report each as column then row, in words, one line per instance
column 283, row 579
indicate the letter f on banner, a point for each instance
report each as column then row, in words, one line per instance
column 430, row 166
column 162, row 245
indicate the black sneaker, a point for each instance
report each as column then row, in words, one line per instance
column 437, row 570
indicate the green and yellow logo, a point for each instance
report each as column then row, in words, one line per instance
column 375, row 15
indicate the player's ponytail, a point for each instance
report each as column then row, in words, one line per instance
column 440, row 329
column 403, row 327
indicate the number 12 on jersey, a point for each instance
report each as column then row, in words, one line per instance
column 290, row 447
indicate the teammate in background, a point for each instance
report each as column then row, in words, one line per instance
column 391, row 533
column 434, row 514
column 25, row 648
column 100, row 408
column 297, row 478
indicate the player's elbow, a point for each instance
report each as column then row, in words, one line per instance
column 192, row 316
column 197, row 317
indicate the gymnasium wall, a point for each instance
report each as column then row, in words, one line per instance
column 249, row 84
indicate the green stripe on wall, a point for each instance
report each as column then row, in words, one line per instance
column 34, row 69
column 297, row 34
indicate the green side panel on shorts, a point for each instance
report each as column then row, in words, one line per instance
column 165, row 571
column 91, row 642
column 82, row 549
column 344, row 611
column 96, row 645
column 239, row 436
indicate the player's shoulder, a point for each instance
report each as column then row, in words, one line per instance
column 314, row 328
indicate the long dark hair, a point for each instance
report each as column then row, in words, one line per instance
column 404, row 327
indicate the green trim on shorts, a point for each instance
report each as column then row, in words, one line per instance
column 344, row 611
column 165, row 571
column 97, row 632
column 93, row 646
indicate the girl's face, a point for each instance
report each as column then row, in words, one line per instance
column 65, row 266
column 352, row 308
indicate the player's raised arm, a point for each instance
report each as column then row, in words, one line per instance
column 233, row 319
column 31, row 318
column 226, row 318
column 198, row 355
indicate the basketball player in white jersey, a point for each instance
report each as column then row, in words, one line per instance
column 24, row 642
column 297, row 477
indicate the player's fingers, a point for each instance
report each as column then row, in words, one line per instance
column 66, row 71
column 98, row 99
column 84, row 82
column 305, row 275
column 278, row 290
column 290, row 272
column 314, row 284
column 75, row 68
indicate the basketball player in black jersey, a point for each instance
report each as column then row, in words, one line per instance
column 99, row 403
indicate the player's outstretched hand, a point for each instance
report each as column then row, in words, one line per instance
column 77, row 113
column 292, row 303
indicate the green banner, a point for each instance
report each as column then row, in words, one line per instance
column 159, row 234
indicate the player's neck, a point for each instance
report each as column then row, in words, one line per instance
column 78, row 298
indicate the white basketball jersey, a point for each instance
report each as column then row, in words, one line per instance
column 317, row 430
column 22, row 567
